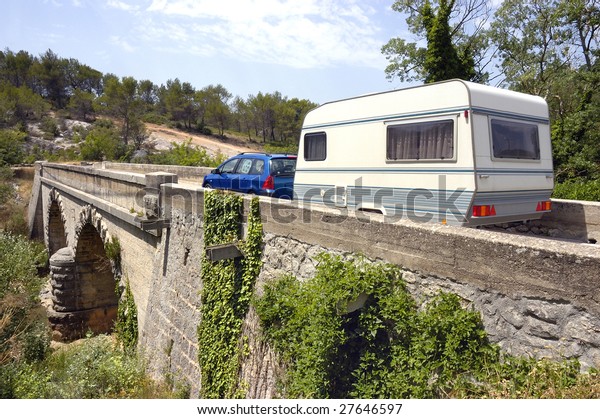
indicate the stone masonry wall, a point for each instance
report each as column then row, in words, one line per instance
column 168, row 336
column 521, row 326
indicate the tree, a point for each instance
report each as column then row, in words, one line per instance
column 453, row 31
column 529, row 36
column 442, row 60
column 550, row 49
column 217, row 107
column 49, row 72
column 82, row 77
column 180, row 102
column 16, row 68
column 120, row 99
column 19, row 104
column 147, row 92
column 81, row 104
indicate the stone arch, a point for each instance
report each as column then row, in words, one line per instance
column 89, row 216
column 83, row 282
column 56, row 237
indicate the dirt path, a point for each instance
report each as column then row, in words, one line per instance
column 163, row 137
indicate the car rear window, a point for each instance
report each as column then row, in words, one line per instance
column 283, row 167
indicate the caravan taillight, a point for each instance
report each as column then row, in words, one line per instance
column 483, row 210
column 269, row 183
column 544, row 206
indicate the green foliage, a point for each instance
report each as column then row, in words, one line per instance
column 11, row 146
column 81, row 105
column 390, row 348
column 23, row 336
column 579, row 190
column 226, row 292
column 102, row 142
column 19, row 104
column 18, row 261
column 387, row 349
column 126, row 326
column 185, row 154
column 49, row 128
column 94, row 368
column 274, row 148
column 442, row 59
column 6, row 187
column 452, row 30
column 113, row 251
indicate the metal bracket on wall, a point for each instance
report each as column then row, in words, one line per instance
column 154, row 224
column 224, row 251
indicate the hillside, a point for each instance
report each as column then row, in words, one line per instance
column 159, row 138
column 162, row 137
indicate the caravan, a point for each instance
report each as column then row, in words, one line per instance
column 452, row 152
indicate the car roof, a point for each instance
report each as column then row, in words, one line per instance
column 272, row 155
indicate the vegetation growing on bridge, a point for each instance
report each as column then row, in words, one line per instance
column 390, row 348
column 227, row 289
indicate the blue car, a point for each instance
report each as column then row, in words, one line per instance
column 255, row 173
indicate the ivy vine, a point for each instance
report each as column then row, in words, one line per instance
column 126, row 326
column 226, row 292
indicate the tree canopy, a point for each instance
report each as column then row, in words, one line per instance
column 547, row 48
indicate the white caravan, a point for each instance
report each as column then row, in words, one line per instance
column 451, row 152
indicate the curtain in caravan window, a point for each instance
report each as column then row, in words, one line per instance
column 315, row 147
column 424, row 140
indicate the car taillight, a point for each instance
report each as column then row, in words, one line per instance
column 544, row 206
column 269, row 183
column 483, row 210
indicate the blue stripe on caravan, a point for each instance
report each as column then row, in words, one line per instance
column 513, row 115
column 385, row 170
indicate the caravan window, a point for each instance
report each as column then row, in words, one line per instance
column 515, row 140
column 315, row 146
column 421, row 141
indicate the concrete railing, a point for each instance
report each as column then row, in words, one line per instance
column 188, row 173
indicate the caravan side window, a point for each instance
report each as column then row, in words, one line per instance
column 432, row 140
column 315, row 146
column 515, row 140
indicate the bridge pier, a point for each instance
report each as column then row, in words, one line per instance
column 83, row 297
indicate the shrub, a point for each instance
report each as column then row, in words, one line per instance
column 92, row 368
column 11, row 147
column 581, row 190
column 185, row 154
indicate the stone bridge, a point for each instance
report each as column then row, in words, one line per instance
column 537, row 295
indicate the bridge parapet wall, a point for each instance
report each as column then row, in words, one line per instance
column 188, row 173
column 123, row 189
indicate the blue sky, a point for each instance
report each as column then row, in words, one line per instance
column 319, row 50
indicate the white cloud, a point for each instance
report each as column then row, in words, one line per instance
column 117, row 4
column 296, row 33
column 122, row 43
